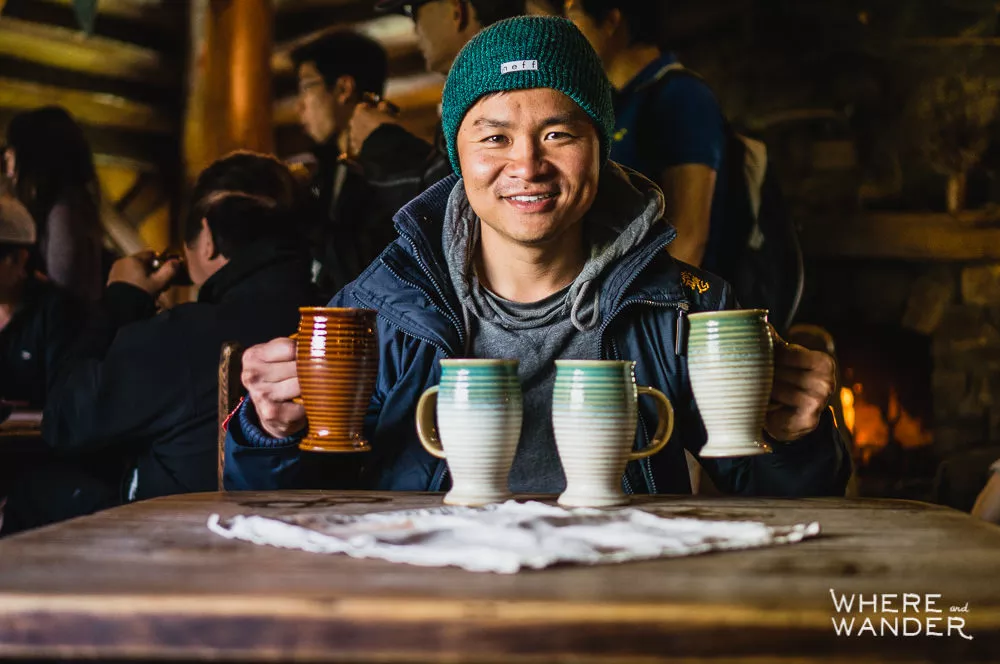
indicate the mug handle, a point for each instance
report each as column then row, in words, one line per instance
column 775, row 340
column 426, row 429
column 664, row 428
column 298, row 399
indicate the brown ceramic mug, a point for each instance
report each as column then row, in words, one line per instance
column 336, row 358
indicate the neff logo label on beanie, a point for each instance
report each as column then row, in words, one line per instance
column 518, row 65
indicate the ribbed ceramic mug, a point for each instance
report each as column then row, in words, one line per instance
column 478, row 408
column 731, row 364
column 336, row 360
column 594, row 416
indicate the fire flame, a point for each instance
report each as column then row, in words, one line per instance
column 871, row 427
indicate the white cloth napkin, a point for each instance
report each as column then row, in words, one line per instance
column 506, row 537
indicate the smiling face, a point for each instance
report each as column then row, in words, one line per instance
column 530, row 161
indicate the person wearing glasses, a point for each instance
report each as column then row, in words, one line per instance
column 346, row 225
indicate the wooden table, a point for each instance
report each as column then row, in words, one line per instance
column 149, row 581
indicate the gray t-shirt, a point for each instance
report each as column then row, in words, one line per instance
column 544, row 332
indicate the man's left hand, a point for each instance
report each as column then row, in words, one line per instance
column 135, row 270
column 804, row 380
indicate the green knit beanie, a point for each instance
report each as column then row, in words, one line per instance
column 528, row 52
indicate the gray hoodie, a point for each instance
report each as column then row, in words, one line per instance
column 562, row 326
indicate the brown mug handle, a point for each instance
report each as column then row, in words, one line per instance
column 426, row 427
column 664, row 427
column 298, row 400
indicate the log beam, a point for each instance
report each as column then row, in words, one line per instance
column 97, row 109
column 64, row 48
column 154, row 12
column 912, row 236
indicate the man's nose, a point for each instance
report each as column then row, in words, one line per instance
column 527, row 160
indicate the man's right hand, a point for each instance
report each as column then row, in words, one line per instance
column 135, row 270
column 366, row 119
column 270, row 377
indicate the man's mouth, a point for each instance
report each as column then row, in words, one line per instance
column 532, row 198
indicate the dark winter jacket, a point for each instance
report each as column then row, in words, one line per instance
column 642, row 299
column 146, row 384
column 42, row 330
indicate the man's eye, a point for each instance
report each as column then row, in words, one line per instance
column 556, row 135
column 495, row 140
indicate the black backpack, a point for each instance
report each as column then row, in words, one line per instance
column 761, row 256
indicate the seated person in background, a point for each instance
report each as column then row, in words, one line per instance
column 38, row 319
column 348, row 226
column 673, row 132
column 140, row 390
column 538, row 249
column 987, row 505
column 49, row 163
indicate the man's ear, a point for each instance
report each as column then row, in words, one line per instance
column 462, row 13
column 345, row 89
column 613, row 22
column 207, row 246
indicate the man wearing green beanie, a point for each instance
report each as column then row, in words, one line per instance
column 537, row 249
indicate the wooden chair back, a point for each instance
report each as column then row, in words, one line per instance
column 230, row 391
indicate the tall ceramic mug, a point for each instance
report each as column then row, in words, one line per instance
column 731, row 364
column 594, row 417
column 336, row 359
column 478, row 410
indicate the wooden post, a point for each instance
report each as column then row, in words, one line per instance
column 229, row 88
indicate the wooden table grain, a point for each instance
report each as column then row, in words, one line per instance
column 149, row 581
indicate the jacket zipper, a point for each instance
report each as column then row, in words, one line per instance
column 444, row 300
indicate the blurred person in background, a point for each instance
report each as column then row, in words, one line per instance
column 397, row 163
column 672, row 131
column 987, row 505
column 348, row 227
column 133, row 408
column 38, row 319
column 51, row 169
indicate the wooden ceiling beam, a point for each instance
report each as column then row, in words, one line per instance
column 96, row 109
column 908, row 236
column 159, row 34
column 164, row 13
column 121, row 148
column 68, row 49
column 289, row 25
column 62, row 78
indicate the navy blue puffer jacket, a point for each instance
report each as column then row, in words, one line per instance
column 419, row 322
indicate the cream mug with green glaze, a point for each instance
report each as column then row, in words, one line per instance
column 594, row 416
column 472, row 418
column 731, row 364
